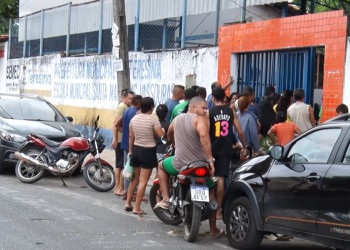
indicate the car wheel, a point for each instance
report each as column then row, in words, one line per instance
column 241, row 227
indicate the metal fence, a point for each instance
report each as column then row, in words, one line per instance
column 66, row 29
column 83, row 29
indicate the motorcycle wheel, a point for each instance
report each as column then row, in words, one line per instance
column 192, row 220
column 155, row 196
column 29, row 173
column 92, row 177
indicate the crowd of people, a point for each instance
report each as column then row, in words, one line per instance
column 220, row 130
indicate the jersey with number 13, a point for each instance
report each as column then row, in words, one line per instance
column 221, row 133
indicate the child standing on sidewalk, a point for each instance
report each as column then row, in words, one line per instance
column 284, row 131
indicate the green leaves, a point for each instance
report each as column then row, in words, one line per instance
column 8, row 9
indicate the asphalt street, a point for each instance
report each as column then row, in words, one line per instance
column 47, row 215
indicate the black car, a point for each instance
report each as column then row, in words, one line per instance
column 21, row 115
column 301, row 190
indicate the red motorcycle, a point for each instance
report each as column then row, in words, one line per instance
column 39, row 153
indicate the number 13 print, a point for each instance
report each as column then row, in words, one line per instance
column 221, row 128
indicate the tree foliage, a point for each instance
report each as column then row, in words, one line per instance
column 8, row 10
column 320, row 5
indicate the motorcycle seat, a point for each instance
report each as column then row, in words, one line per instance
column 48, row 141
column 184, row 168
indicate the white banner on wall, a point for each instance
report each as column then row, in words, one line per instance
column 92, row 81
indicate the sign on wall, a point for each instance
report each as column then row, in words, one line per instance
column 92, row 81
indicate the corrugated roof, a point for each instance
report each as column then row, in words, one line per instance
column 27, row 7
column 150, row 9
column 85, row 17
column 161, row 9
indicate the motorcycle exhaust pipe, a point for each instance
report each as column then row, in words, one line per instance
column 27, row 159
column 209, row 209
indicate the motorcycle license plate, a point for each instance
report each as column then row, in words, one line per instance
column 200, row 193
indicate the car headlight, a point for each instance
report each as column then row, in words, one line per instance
column 12, row 137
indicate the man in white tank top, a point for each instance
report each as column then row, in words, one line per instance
column 301, row 113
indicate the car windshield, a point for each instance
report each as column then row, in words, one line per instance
column 28, row 109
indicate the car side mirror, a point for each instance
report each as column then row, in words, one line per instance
column 69, row 118
column 276, row 152
column 298, row 168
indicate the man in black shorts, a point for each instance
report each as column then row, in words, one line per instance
column 221, row 119
column 126, row 97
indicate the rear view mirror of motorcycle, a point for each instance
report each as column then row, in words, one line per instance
column 98, row 118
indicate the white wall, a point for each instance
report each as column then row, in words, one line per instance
column 92, row 81
column 3, row 63
column 346, row 90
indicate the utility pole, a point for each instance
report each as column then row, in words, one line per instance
column 123, row 76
